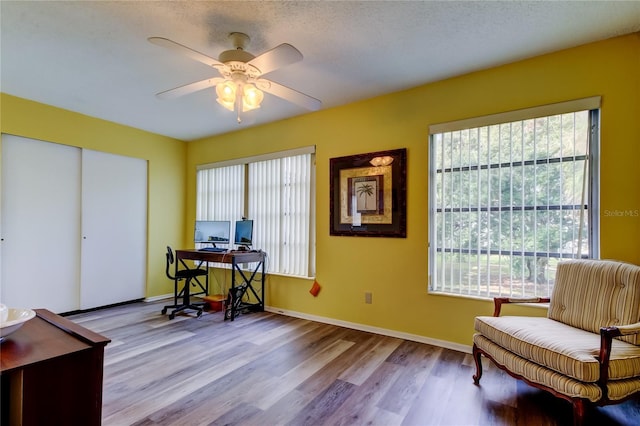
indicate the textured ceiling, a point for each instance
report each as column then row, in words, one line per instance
column 93, row 57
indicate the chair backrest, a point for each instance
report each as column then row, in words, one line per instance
column 170, row 261
column 590, row 294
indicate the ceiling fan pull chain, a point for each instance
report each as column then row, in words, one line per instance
column 239, row 101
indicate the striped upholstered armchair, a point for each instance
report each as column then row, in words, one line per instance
column 587, row 349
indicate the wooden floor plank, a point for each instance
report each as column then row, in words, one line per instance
column 149, row 347
column 418, row 359
column 283, row 411
column 324, row 404
column 362, row 405
column 370, row 359
column 289, row 381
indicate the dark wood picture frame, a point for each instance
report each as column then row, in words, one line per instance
column 368, row 194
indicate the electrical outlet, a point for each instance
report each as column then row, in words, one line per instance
column 367, row 298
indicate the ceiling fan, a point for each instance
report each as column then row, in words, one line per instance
column 241, row 84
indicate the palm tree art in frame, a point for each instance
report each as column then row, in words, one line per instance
column 366, row 192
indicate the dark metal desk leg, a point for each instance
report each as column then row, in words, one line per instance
column 233, row 286
column 262, row 279
column 176, row 282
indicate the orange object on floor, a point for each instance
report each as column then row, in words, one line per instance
column 215, row 302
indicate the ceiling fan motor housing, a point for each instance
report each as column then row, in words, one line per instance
column 238, row 54
column 235, row 60
column 235, row 56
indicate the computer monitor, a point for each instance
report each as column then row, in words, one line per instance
column 244, row 233
column 212, row 231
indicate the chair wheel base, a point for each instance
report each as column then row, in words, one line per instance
column 181, row 308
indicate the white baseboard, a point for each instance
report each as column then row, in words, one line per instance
column 377, row 330
column 161, row 297
column 165, row 296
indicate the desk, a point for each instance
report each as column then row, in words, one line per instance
column 235, row 258
column 51, row 373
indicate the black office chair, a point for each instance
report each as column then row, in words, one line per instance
column 187, row 275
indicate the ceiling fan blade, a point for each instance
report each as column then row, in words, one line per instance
column 278, row 57
column 189, row 88
column 184, row 50
column 289, row 94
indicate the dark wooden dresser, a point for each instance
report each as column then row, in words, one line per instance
column 51, row 373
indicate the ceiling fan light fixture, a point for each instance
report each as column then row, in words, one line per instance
column 231, row 93
column 251, row 97
column 226, row 92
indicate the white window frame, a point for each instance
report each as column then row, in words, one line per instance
column 280, row 260
column 437, row 270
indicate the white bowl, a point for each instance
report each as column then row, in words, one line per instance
column 15, row 319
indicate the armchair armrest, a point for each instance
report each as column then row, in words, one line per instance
column 606, row 340
column 499, row 301
column 623, row 330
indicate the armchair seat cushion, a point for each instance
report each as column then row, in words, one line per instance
column 536, row 373
column 559, row 347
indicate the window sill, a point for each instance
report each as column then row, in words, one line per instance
column 484, row 299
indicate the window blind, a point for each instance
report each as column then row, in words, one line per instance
column 279, row 201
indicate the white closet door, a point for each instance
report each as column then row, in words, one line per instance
column 114, row 229
column 40, row 225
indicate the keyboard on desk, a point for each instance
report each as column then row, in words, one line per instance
column 213, row 249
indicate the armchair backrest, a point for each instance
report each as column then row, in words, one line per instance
column 590, row 294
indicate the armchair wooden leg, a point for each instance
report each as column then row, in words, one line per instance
column 476, row 357
column 579, row 409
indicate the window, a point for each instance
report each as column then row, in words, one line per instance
column 277, row 192
column 510, row 196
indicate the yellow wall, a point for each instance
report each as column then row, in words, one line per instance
column 396, row 270
column 166, row 167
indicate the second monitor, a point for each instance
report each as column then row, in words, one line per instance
column 244, row 234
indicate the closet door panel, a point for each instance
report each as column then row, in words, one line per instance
column 114, row 229
column 40, row 225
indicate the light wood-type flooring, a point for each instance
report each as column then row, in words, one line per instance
column 267, row 369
